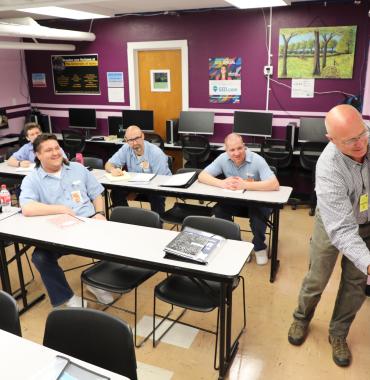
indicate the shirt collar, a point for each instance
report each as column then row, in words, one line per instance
column 44, row 174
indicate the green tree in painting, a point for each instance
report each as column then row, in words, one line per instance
column 346, row 43
column 326, row 38
column 332, row 45
column 316, row 53
column 286, row 39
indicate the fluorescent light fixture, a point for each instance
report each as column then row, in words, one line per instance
column 248, row 4
column 10, row 45
column 63, row 13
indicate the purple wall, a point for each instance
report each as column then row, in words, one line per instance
column 214, row 34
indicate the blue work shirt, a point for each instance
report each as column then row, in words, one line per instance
column 253, row 164
column 47, row 188
column 26, row 153
column 158, row 161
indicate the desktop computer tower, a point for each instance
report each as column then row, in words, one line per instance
column 172, row 131
column 292, row 134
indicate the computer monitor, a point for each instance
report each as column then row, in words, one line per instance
column 3, row 119
column 115, row 126
column 253, row 123
column 82, row 118
column 142, row 118
column 196, row 122
column 312, row 129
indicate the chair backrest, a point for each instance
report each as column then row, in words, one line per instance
column 155, row 139
column 73, row 142
column 137, row 216
column 10, row 152
column 278, row 153
column 9, row 315
column 93, row 336
column 217, row 226
column 170, row 162
column 196, row 149
column 92, row 162
column 309, row 154
column 188, row 170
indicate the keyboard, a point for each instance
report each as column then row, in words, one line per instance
column 253, row 145
column 100, row 138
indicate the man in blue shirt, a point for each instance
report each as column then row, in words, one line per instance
column 59, row 187
column 25, row 156
column 139, row 156
column 243, row 170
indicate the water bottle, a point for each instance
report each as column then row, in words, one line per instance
column 5, row 199
column 80, row 158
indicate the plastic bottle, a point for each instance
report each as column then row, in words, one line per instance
column 5, row 199
column 80, row 158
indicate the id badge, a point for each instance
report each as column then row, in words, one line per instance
column 364, row 202
column 76, row 196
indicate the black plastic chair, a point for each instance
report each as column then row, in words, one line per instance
column 181, row 210
column 195, row 293
column 309, row 154
column 121, row 278
column 196, row 150
column 73, row 142
column 9, row 315
column 278, row 153
column 155, row 139
column 93, row 336
column 92, row 162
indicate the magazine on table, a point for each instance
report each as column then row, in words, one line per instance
column 193, row 245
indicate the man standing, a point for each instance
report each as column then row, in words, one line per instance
column 341, row 224
column 138, row 156
column 59, row 187
column 243, row 170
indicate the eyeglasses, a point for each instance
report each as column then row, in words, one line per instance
column 134, row 139
column 353, row 141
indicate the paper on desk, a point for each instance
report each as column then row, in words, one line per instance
column 65, row 220
column 141, row 177
column 125, row 177
column 29, row 169
column 178, row 179
column 51, row 370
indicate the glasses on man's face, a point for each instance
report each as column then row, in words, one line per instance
column 134, row 139
column 353, row 141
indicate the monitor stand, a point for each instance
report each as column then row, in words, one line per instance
column 87, row 134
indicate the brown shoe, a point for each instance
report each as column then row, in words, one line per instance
column 341, row 353
column 298, row 332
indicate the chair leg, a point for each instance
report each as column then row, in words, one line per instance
column 135, row 317
column 215, row 366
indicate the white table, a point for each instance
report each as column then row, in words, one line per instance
column 22, row 359
column 271, row 199
column 138, row 246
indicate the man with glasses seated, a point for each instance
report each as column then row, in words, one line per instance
column 342, row 224
column 138, row 156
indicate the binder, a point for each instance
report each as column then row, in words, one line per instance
column 182, row 180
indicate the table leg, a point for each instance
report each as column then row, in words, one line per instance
column 4, row 273
column 274, row 249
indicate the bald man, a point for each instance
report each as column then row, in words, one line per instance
column 341, row 225
column 243, row 170
column 138, row 156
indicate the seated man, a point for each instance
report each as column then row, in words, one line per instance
column 138, row 156
column 59, row 187
column 243, row 170
column 25, row 156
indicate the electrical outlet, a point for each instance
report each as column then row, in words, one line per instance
column 268, row 70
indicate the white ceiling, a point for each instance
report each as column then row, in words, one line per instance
column 109, row 7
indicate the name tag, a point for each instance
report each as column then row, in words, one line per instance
column 76, row 196
column 364, row 202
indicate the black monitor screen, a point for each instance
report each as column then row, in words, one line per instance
column 253, row 123
column 3, row 119
column 312, row 129
column 141, row 118
column 115, row 125
column 198, row 122
column 82, row 118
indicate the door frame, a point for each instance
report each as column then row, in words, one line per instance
column 133, row 68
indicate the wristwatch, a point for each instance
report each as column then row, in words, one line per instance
column 19, row 163
column 100, row 212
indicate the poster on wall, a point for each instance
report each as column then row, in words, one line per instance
column 115, row 84
column 317, row 52
column 38, row 80
column 75, row 74
column 224, row 79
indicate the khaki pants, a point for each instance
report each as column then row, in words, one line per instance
column 351, row 292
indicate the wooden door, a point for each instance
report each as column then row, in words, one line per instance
column 166, row 105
